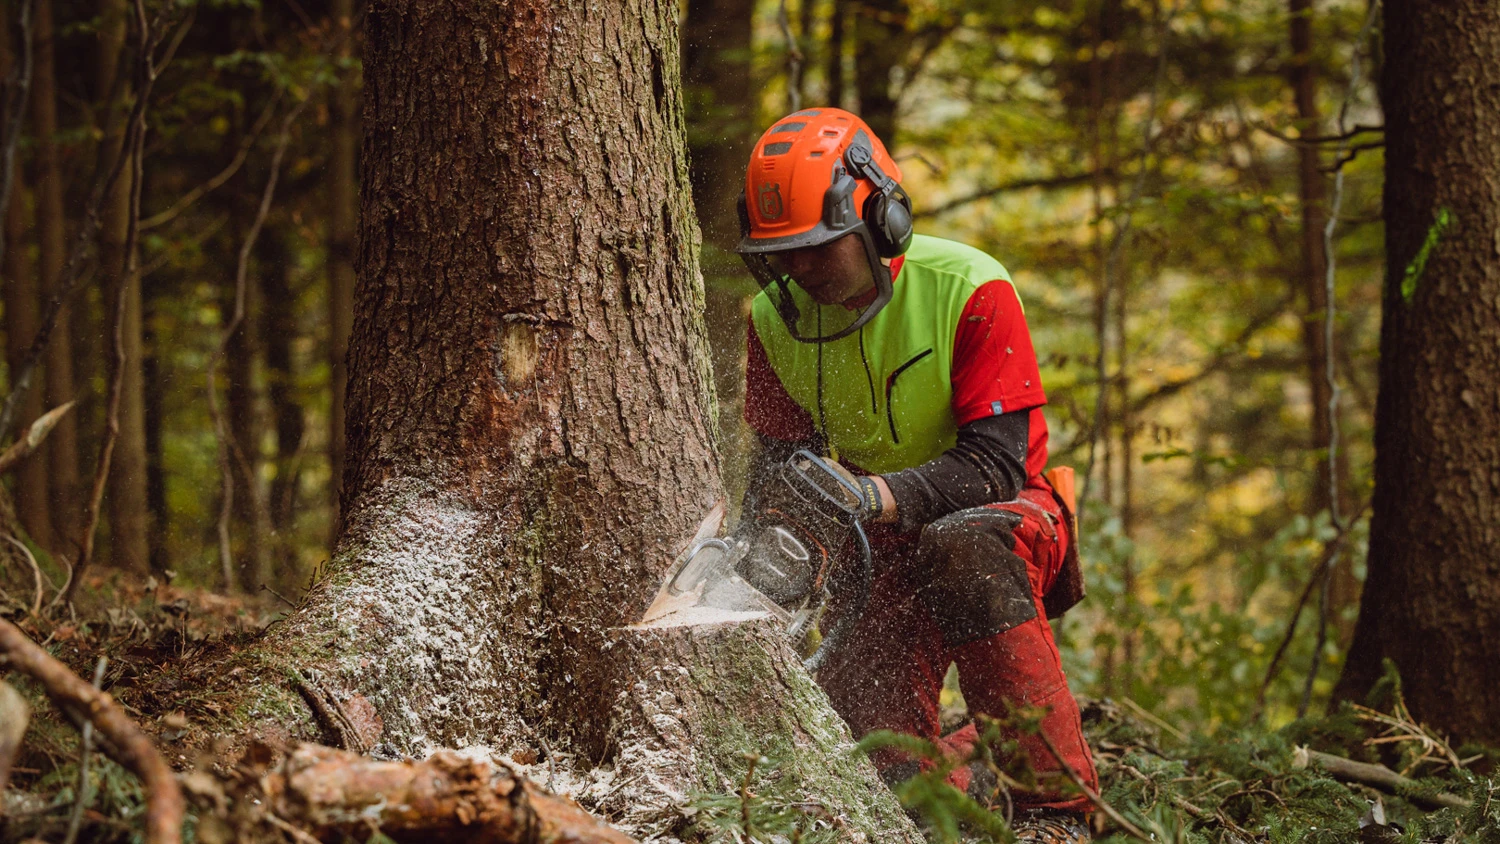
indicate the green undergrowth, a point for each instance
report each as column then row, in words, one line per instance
column 1232, row 787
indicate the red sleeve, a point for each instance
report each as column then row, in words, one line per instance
column 994, row 365
column 769, row 409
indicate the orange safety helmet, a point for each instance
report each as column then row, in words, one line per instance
column 815, row 176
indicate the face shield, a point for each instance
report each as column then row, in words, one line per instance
column 806, row 319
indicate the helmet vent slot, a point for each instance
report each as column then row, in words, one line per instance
column 781, row 148
column 789, row 127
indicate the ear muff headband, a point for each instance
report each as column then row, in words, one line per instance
column 887, row 211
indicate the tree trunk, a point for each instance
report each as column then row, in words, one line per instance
column 155, row 390
column 242, row 412
column 1312, row 285
column 529, row 431
column 880, row 45
column 61, row 448
column 126, row 497
column 21, row 321
column 834, row 59
column 278, row 331
column 1432, row 597
column 343, row 216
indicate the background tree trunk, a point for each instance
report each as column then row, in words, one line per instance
column 1312, row 287
column 126, row 496
column 61, row 449
column 1432, row 597
column 880, row 45
column 343, row 200
column 278, row 332
column 721, row 122
column 21, row 320
column 529, row 430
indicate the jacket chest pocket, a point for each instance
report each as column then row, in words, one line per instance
column 910, row 392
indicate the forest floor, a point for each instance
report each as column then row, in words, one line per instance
column 1159, row 784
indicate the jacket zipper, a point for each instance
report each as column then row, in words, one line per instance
column 890, row 384
column 869, row 378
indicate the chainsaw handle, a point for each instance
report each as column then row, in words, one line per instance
column 832, row 485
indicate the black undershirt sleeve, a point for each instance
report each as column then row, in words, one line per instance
column 987, row 464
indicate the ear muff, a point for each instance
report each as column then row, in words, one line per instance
column 888, row 216
column 887, row 211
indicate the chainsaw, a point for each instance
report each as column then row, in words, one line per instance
column 787, row 560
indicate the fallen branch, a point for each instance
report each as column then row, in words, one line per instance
column 126, row 744
column 35, row 435
column 36, row 573
column 1375, row 776
column 1111, row 812
column 330, row 795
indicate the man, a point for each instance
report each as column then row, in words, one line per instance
column 907, row 358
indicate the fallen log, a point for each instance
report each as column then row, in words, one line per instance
column 124, row 742
column 322, row 794
column 1375, row 776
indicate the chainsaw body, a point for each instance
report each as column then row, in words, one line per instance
column 786, row 560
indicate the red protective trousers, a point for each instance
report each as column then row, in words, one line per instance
column 890, row 672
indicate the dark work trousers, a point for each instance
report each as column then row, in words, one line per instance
column 968, row 591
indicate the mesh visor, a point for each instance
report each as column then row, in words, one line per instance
column 805, row 318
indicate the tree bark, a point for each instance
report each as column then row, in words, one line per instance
column 343, row 216
column 529, row 432
column 1432, row 597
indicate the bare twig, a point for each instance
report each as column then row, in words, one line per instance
column 1093, row 796
column 85, row 749
column 17, row 91
column 126, row 743
column 36, row 572
column 1043, row 182
column 1331, row 551
column 1401, row 727
column 1153, row 718
column 284, row 599
column 186, row 200
column 35, row 435
column 1317, row 140
column 228, row 449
